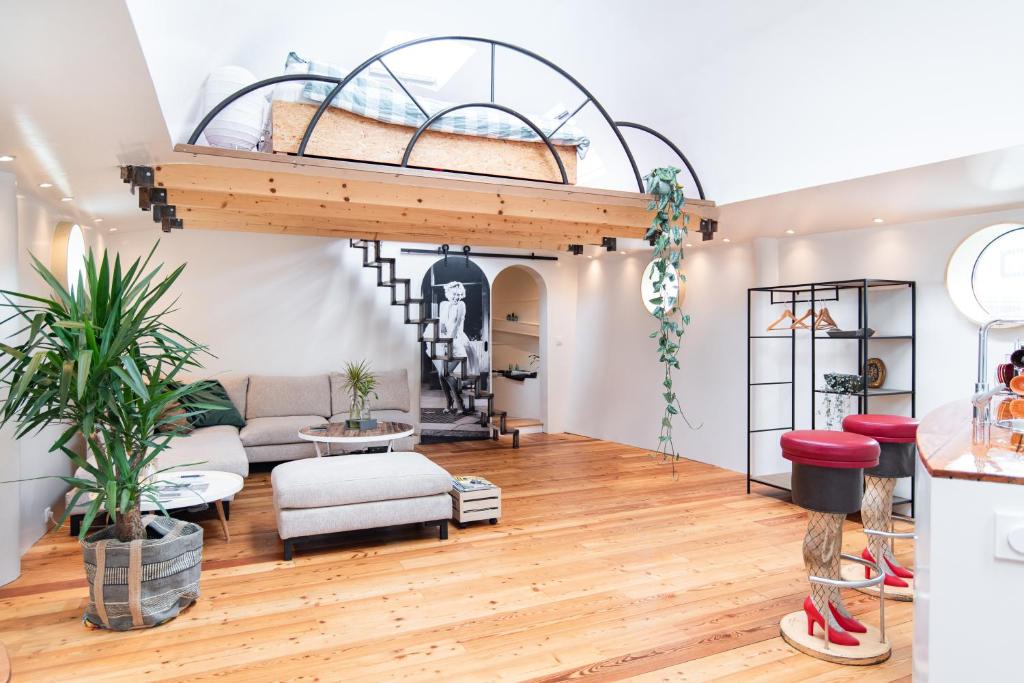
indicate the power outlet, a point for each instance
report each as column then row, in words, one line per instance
column 1010, row 536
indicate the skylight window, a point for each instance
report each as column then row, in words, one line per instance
column 430, row 65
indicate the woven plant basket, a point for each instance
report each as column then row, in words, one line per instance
column 144, row 583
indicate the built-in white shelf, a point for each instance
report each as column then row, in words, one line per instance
column 521, row 328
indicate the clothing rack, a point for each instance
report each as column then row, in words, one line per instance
column 815, row 294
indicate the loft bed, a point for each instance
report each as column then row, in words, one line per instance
column 331, row 168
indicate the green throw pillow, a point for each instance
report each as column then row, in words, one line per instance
column 214, row 394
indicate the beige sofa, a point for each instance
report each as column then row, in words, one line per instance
column 275, row 408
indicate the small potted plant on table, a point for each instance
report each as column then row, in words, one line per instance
column 360, row 382
column 100, row 360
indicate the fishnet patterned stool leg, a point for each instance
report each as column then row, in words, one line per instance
column 876, row 511
column 823, row 544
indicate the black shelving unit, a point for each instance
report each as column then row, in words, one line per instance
column 815, row 294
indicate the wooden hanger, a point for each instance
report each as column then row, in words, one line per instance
column 825, row 321
column 777, row 325
column 800, row 324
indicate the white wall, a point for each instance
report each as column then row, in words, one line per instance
column 10, row 466
column 616, row 380
column 616, row 389
column 296, row 305
column 36, row 225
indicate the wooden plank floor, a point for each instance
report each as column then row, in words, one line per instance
column 604, row 567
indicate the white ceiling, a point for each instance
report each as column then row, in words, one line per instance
column 765, row 98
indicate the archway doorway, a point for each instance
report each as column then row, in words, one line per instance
column 518, row 310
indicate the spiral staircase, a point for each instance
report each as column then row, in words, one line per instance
column 438, row 348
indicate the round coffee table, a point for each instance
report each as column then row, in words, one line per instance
column 190, row 488
column 337, row 432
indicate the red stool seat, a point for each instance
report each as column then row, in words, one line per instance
column 883, row 428
column 823, row 448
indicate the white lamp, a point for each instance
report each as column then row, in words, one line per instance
column 673, row 289
column 240, row 124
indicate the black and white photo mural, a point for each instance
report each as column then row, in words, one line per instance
column 456, row 293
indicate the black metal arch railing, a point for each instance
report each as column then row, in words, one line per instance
column 486, row 105
column 671, row 145
column 341, row 82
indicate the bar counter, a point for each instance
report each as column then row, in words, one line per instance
column 969, row 582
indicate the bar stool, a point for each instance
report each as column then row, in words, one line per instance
column 828, row 482
column 896, row 435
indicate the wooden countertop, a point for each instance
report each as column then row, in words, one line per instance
column 945, row 448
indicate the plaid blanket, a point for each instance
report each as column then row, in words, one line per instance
column 385, row 101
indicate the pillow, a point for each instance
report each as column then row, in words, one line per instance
column 214, row 393
column 181, row 424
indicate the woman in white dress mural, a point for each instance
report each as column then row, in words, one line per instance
column 452, row 322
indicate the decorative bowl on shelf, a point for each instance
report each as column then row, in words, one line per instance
column 844, row 384
column 851, row 334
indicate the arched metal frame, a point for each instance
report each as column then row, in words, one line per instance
column 671, row 145
column 485, row 105
column 340, row 83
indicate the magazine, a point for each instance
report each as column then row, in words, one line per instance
column 471, row 483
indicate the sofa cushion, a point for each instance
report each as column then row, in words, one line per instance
column 357, row 478
column 392, row 392
column 282, row 396
column 298, row 522
column 270, row 431
column 206, row 448
column 213, row 393
column 236, row 386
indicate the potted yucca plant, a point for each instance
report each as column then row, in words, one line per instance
column 99, row 359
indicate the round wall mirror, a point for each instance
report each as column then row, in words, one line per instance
column 673, row 290
column 985, row 275
column 67, row 255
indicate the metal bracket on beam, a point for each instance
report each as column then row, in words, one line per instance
column 609, row 243
column 168, row 224
column 138, row 176
column 575, row 249
column 161, row 211
column 708, row 228
column 150, row 196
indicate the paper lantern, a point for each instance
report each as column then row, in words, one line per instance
column 240, row 124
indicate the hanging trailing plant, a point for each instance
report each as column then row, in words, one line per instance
column 667, row 233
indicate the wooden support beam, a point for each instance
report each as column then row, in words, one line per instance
column 290, row 210
column 304, row 225
column 440, row 196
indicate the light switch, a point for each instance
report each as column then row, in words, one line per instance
column 1010, row 536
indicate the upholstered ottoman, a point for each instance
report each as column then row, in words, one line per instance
column 361, row 491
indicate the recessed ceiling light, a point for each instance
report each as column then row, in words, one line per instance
column 623, row 253
column 791, row 231
column 588, row 256
column 877, row 220
column 727, row 240
column 45, row 185
column 67, row 199
column 689, row 244
column 98, row 220
column 113, row 230
column 6, row 157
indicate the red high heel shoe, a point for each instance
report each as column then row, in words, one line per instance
column 890, row 580
column 848, row 623
column 839, row 637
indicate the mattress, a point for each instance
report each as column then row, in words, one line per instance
column 383, row 100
